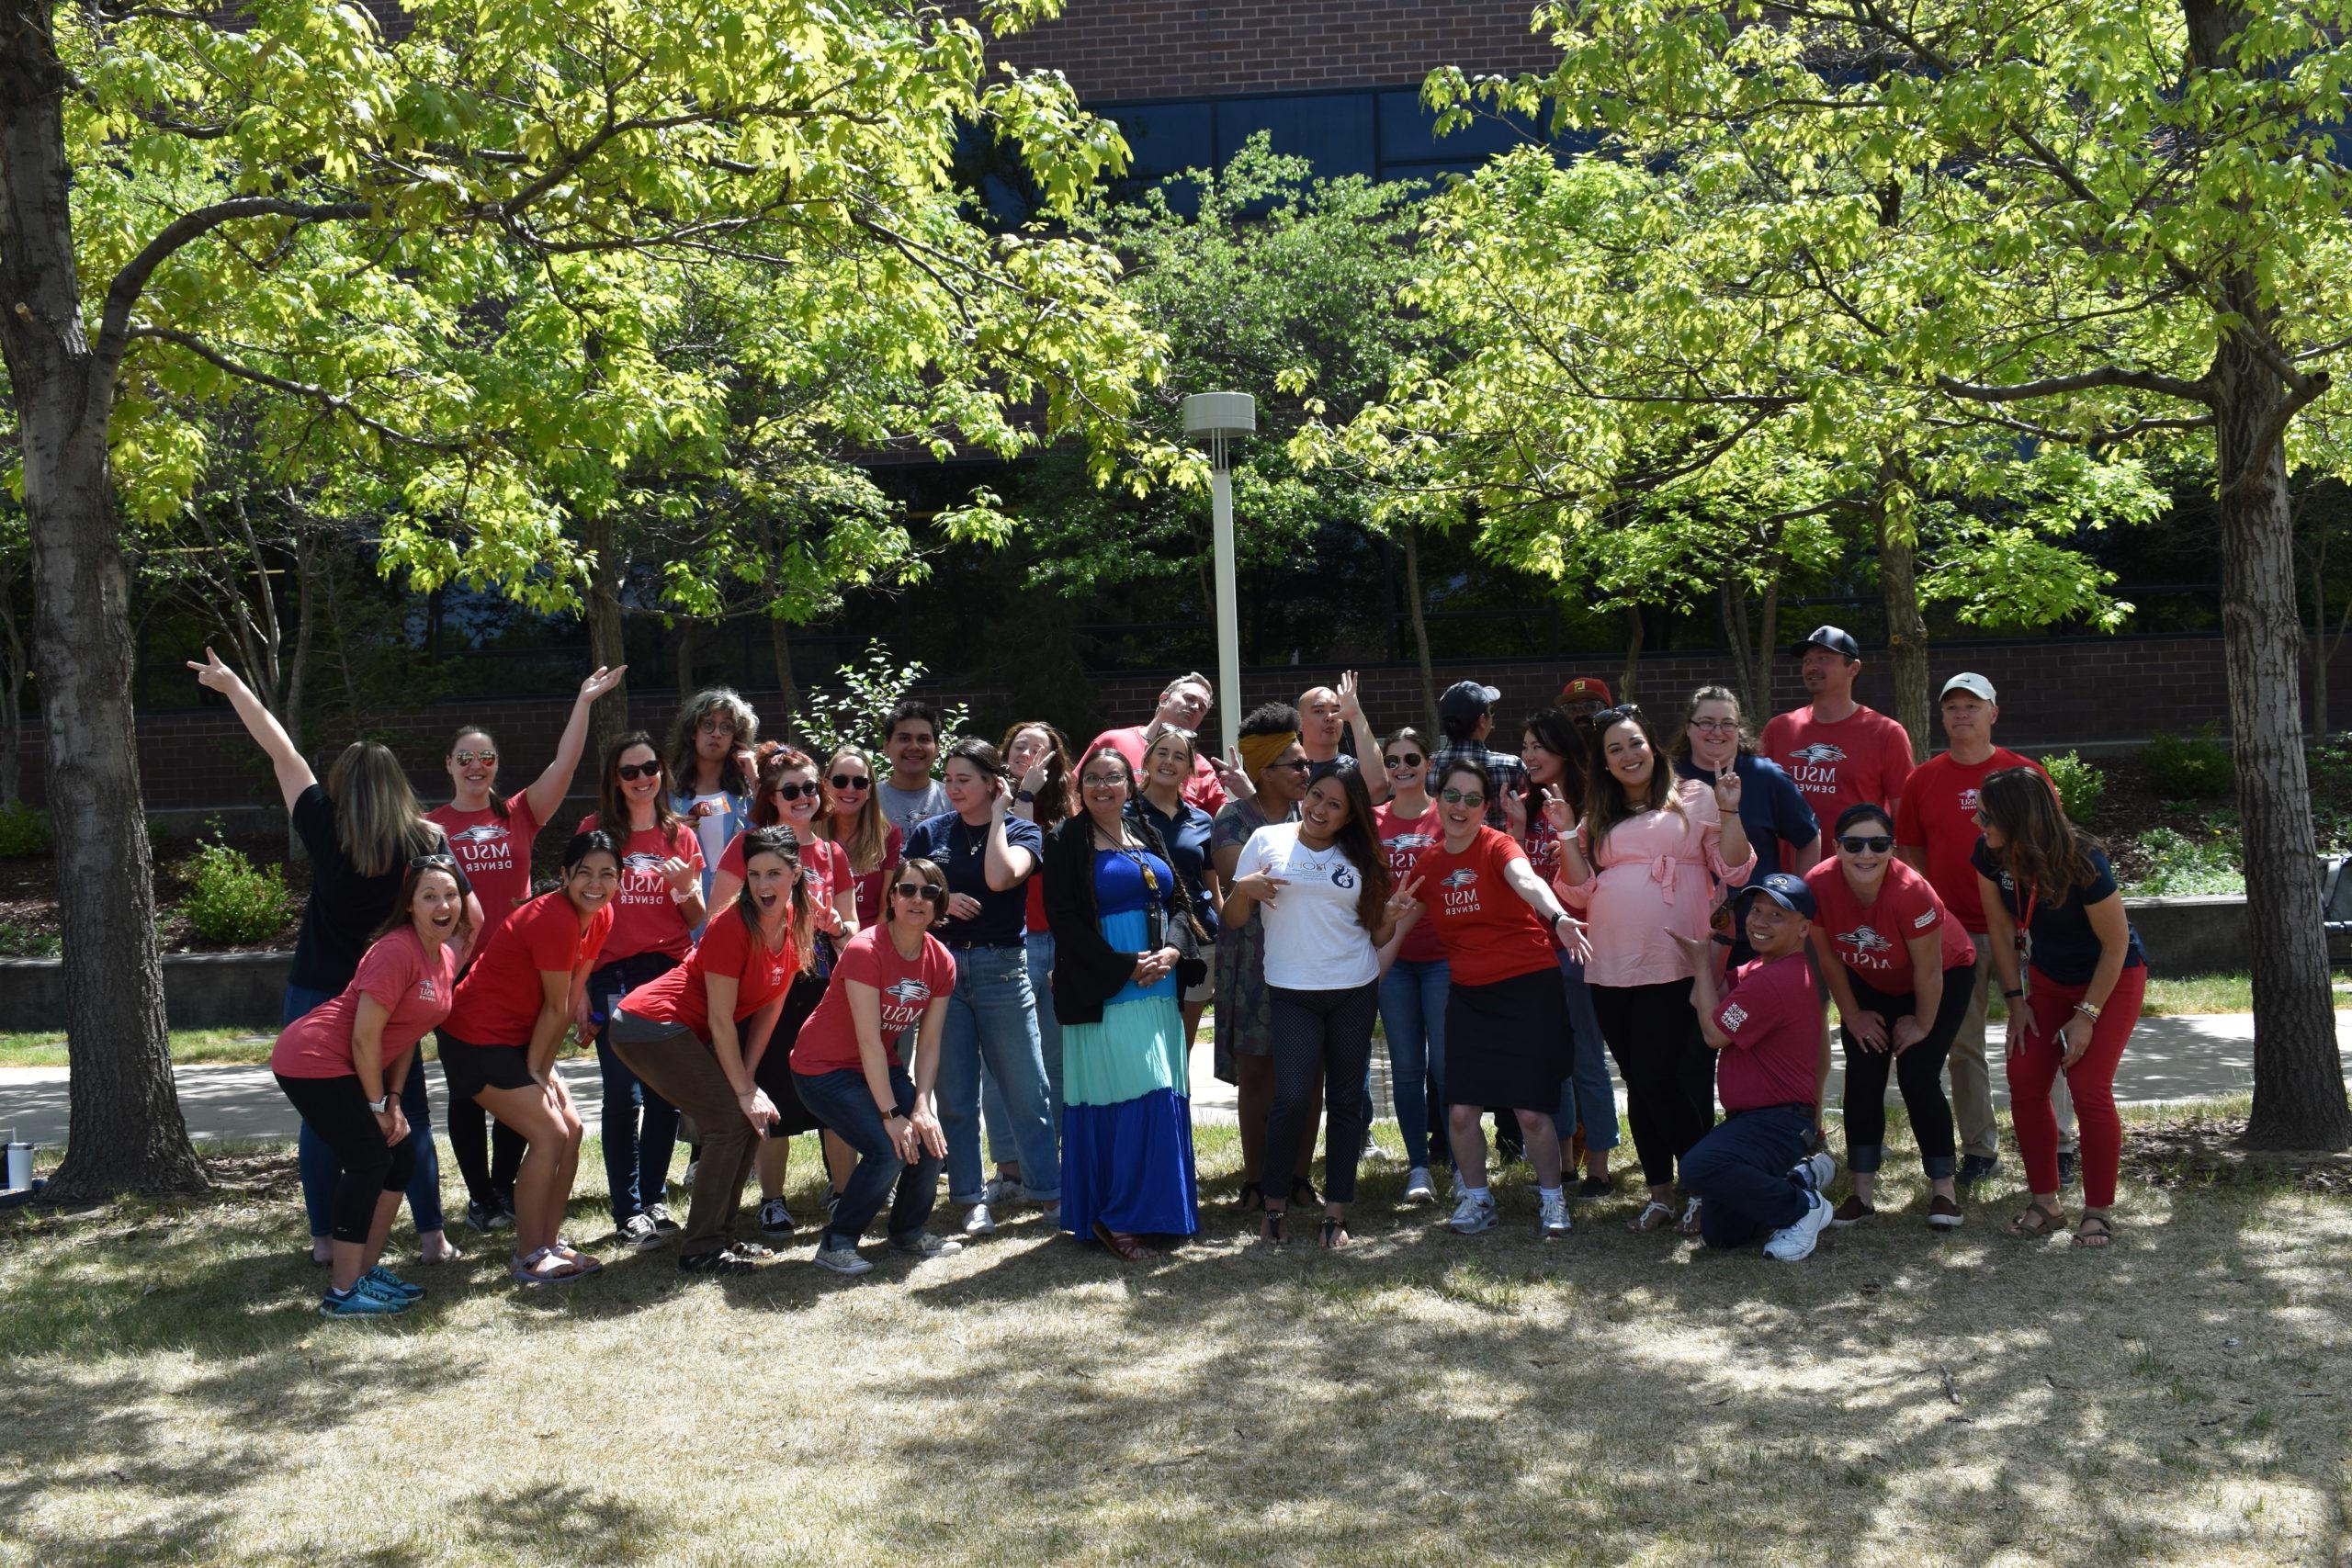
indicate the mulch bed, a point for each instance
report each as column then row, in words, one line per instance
column 2198, row 1151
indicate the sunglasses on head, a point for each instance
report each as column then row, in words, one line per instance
column 851, row 780
column 929, row 890
column 1404, row 760
column 434, row 863
column 1623, row 710
column 1876, row 844
column 795, row 791
column 468, row 758
column 631, row 772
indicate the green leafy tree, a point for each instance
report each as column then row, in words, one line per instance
column 457, row 254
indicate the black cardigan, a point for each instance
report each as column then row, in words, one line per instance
column 1088, row 971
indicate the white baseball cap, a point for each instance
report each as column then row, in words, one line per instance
column 1969, row 682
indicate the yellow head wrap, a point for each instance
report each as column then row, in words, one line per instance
column 1257, row 750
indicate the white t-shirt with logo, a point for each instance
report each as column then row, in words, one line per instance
column 1313, row 942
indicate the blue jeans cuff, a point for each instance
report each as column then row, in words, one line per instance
column 1867, row 1158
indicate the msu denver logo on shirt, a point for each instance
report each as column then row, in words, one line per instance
column 1462, row 878
column 1819, row 751
column 908, row 991
column 1864, row 940
column 479, row 833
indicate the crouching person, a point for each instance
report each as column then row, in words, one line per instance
column 1771, row 1062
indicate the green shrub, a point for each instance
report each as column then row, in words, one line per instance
column 2179, row 865
column 23, row 830
column 2193, row 767
column 232, row 900
column 23, row 942
column 2080, row 783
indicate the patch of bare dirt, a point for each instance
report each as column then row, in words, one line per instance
column 2203, row 1151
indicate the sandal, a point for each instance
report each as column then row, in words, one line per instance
column 1655, row 1216
column 2036, row 1223
column 527, row 1270
column 449, row 1254
column 754, row 1250
column 1274, row 1230
column 1125, row 1248
column 1690, row 1222
column 2094, row 1239
column 722, row 1261
column 1335, row 1233
column 1252, row 1198
column 574, row 1256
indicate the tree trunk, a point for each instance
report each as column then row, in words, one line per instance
column 12, row 684
column 687, row 631
column 124, row 1112
column 1421, row 632
column 2298, row 1099
column 1632, row 622
column 1753, row 649
column 1907, row 628
column 780, row 648
column 604, row 646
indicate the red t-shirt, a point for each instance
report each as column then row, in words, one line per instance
column 1773, row 1016
column 869, row 887
column 1865, row 756
column 1874, row 940
column 498, row 1001
column 1938, row 814
column 414, row 990
column 1202, row 789
column 645, row 919
column 1488, row 931
column 1407, row 840
column 495, row 854
column 827, row 1042
column 679, row 997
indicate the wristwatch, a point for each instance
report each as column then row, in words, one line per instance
column 378, row 1107
column 1024, row 794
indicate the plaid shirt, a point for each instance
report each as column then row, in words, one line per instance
column 1508, row 773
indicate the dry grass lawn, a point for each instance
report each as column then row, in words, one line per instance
column 1424, row 1398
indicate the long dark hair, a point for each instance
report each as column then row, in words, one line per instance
column 612, row 806
column 1139, row 823
column 1569, row 740
column 497, row 801
column 1355, row 839
column 1605, row 805
column 1057, row 794
column 799, row 938
column 405, row 903
column 2043, row 849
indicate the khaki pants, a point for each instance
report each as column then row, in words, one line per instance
column 682, row 1071
column 1971, row 1079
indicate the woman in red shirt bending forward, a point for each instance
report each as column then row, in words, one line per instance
column 343, row 1065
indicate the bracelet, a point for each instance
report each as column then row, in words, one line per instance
column 2088, row 1011
column 2008, row 995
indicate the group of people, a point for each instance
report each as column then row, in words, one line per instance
column 992, row 960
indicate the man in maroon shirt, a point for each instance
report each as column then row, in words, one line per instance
column 1752, row 1174
column 1835, row 749
column 1183, row 704
column 1934, row 832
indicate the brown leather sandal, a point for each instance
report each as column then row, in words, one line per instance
column 1125, row 1248
column 2036, row 1223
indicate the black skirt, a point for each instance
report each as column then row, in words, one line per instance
column 774, row 1072
column 1507, row 1042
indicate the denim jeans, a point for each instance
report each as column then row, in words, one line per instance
column 320, row 1170
column 1002, row 1147
column 845, row 1104
column 1412, row 1014
column 1586, row 1093
column 992, row 1025
column 640, row 1129
column 1742, row 1168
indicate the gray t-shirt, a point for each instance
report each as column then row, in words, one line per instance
column 904, row 808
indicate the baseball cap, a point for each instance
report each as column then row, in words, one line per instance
column 1837, row 639
column 1586, row 689
column 1969, row 681
column 1788, row 892
column 1466, row 699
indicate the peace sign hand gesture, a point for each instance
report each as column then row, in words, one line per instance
column 1405, row 899
column 1555, row 809
column 214, row 675
column 1728, row 788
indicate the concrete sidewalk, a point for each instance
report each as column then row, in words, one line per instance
column 2169, row 1058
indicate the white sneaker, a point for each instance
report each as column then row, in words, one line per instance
column 1554, row 1222
column 977, row 1221
column 1052, row 1213
column 639, row 1233
column 840, row 1259
column 1817, row 1171
column 1473, row 1214
column 999, row 1190
column 1371, row 1150
column 922, row 1245
column 1417, row 1186
column 1793, row 1244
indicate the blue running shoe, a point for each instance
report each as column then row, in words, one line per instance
column 387, row 1282
column 361, row 1302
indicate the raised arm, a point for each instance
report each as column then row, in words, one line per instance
column 1003, row 864
column 1369, row 761
column 294, row 774
column 546, row 795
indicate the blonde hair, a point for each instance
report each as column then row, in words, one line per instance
column 871, row 836
column 378, row 819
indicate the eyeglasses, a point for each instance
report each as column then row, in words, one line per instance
column 716, row 727
column 434, row 863
column 795, row 791
column 1877, row 846
column 1462, row 797
column 1979, row 818
column 1714, row 725
column 1404, row 760
column 851, row 780
column 468, row 758
column 1102, row 781
column 929, row 890
column 631, row 772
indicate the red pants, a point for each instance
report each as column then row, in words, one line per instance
column 2091, row 1081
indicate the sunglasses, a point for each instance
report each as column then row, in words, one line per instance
column 795, row 791
column 851, row 780
column 468, row 758
column 434, row 863
column 1404, row 760
column 929, row 890
column 632, row 772
column 1298, row 767
column 1623, row 710
column 1876, row 845
column 1462, row 797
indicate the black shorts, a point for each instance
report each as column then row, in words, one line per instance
column 774, row 1072
column 469, row 1070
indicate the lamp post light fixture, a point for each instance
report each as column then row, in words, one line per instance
column 1219, row 418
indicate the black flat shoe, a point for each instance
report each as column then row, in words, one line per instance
column 720, row 1262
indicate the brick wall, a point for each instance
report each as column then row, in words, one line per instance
column 2056, row 691
column 1121, row 50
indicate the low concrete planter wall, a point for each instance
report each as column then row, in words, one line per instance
column 201, row 991
column 2202, row 936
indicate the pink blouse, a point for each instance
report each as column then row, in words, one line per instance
column 1654, row 871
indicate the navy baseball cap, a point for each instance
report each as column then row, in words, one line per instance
column 1784, row 889
column 1837, row 639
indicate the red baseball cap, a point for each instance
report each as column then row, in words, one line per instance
column 1586, row 688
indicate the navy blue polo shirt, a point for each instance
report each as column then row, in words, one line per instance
column 957, row 846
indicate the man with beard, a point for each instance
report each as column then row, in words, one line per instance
column 1838, row 752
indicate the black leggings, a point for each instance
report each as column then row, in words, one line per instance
column 489, row 1153
column 367, row 1167
column 1325, row 1037
column 1918, row 1072
column 1669, row 1073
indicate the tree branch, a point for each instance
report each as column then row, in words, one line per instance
column 2082, row 381
column 114, row 331
column 333, row 402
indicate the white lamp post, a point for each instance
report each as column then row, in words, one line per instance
column 1219, row 417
